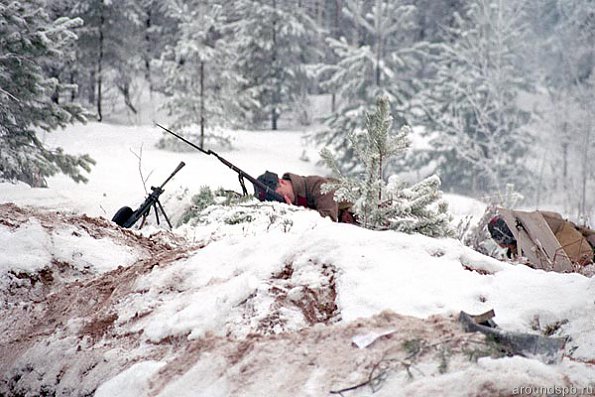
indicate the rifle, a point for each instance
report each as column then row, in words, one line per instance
column 125, row 217
column 241, row 174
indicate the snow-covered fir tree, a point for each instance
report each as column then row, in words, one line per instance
column 274, row 42
column 160, row 30
column 564, row 33
column 201, row 87
column 109, row 49
column 393, row 205
column 479, row 131
column 378, row 59
column 63, row 68
column 29, row 40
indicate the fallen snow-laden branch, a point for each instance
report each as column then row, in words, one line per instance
column 381, row 369
column 377, row 376
column 8, row 94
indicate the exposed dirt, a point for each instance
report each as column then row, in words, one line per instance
column 65, row 306
column 43, row 304
column 60, row 333
column 318, row 304
column 413, row 343
column 14, row 216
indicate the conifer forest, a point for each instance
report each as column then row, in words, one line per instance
column 501, row 93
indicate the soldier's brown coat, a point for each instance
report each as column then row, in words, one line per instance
column 308, row 194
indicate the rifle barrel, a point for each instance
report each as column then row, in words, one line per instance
column 182, row 138
column 241, row 173
column 178, row 168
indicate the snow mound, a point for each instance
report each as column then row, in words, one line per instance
column 266, row 299
column 32, row 240
column 43, row 251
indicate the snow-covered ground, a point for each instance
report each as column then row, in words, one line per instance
column 258, row 299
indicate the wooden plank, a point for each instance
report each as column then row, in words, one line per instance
column 537, row 257
column 525, row 246
column 544, row 239
column 483, row 317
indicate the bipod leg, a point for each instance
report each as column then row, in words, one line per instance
column 164, row 214
column 142, row 223
column 156, row 212
column 244, row 190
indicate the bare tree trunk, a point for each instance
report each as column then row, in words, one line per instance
column 73, row 93
column 586, row 170
column 99, row 62
column 320, row 12
column 564, row 152
column 378, row 57
column 336, row 34
column 274, row 93
column 55, row 97
column 92, row 84
column 147, row 60
column 125, row 91
column 337, row 18
column 202, row 104
column 539, row 188
column 566, row 185
column 380, row 178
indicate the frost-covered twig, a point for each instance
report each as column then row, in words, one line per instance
column 9, row 95
column 139, row 156
column 380, row 369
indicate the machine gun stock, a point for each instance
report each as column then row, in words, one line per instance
column 126, row 218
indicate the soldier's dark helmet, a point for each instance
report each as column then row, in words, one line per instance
column 500, row 231
column 271, row 180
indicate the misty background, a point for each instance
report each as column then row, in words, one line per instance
column 500, row 92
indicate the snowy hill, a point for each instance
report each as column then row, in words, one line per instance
column 255, row 299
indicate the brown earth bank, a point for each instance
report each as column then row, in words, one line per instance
column 60, row 334
column 39, row 306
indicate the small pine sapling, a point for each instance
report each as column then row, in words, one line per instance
column 394, row 205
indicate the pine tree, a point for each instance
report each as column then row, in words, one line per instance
column 379, row 59
column 110, row 49
column 62, row 68
column 199, row 82
column 434, row 16
column 479, row 132
column 419, row 208
column 393, row 205
column 275, row 41
column 115, row 46
column 159, row 30
column 565, row 56
column 28, row 40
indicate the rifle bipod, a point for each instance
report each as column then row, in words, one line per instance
column 264, row 190
column 125, row 217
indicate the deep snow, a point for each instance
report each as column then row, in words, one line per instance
column 260, row 299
